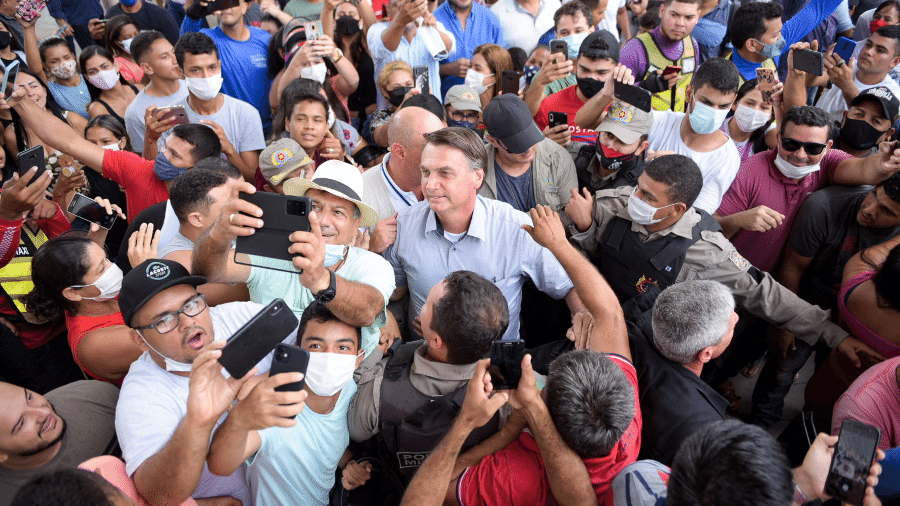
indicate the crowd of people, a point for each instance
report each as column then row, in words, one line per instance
column 649, row 197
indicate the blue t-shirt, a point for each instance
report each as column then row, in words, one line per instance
column 72, row 98
column 516, row 191
column 296, row 465
column 244, row 67
column 482, row 27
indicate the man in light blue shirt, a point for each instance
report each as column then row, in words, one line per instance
column 403, row 39
column 243, row 51
column 472, row 24
column 455, row 229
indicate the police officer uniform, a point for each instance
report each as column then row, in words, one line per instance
column 708, row 255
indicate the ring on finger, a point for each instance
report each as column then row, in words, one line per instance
column 231, row 218
column 838, row 64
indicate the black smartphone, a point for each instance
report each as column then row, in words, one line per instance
column 844, row 48
column 634, row 95
column 282, row 216
column 220, row 5
column 178, row 112
column 252, row 342
column 289, row 358
column 506, row 364
column 420, row 79
column 808, row 61
column 88, row 209
column 851, row 461
column 31, row 157
column 559, row 46
column 554, row 119
column 509, row 83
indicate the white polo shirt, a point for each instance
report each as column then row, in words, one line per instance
column 520, row 28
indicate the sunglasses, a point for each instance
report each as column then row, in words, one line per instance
column 811, row 148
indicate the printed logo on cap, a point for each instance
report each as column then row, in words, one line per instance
column 468, row 95
column 622, row 114
column 281, row 157
column 158, row 271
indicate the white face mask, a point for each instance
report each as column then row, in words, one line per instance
column 114, row 146
column 171, row 364
column 475, row 80
column 109, row 283
column 105, row 79
column 317, row 72
column 205, row 88
column 126, row 44
column 792, row 171
column 327, row 373
column 749, row 119
column 642, row 212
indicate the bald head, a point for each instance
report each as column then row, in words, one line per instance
column 405, row 134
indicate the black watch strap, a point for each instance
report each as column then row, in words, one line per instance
column 327, row 295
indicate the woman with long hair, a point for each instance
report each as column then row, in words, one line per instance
column 488, row 63
column 73, row 277
column 110, row 92
column 120, row 31
column 751, row 127
column 349, row 36
column 109, row 133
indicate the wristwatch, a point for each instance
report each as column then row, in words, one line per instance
column 327, row 295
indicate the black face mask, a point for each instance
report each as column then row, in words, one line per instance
column 613, row 160
column 5, row 39
column 395, row 96
column 589, row 87
column 346, row 25
column 859, row 135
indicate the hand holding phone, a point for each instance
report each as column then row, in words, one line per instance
column 844, row 48
column 31, row 157
column 93, row 211
column 506, row 364
column 633, row 95
column 559, row 46
column 289, row 358
column 808, row 61
column 420, row 79
column 853, row 456
column 554, row 119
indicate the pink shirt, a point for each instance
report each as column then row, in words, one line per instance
column 873, row 398
column 760, row 183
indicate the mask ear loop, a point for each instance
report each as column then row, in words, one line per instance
column 7, row 70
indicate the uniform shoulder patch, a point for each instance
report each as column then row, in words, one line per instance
column 739, row 260
column 716, row 238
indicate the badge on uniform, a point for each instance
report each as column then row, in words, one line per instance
column 739, row 261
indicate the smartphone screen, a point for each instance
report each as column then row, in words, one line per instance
column 852, row 459
column 510, row 83
column 88, row 209
column 420, row 79
column 506, row 364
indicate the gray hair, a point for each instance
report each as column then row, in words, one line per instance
column 689, row 317
column 464, row 140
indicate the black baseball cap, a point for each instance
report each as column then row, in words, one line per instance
column 508, row 120
column 883, row 96
column 149, row 278
column 600, row 44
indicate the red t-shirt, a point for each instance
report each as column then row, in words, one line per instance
column 79, row 326
column 515, row 475
column 135, row 174
column 567, row 101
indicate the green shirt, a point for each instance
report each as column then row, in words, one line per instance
column 304, row 9
column 560, row 84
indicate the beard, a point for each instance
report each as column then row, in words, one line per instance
column 43, row 446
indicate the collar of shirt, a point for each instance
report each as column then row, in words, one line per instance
column 476, row 229
column 440, row 370
column 397, row 195
column 516, row 6
column 683, row 227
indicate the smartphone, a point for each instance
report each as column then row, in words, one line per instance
column 671, row 69
column 313, row 29
column 506, row 364
column 420, row 79
column 808, row 61
column 767, row 79
column 31, row 157
column 178, row 112
column 30, row 9
column 510, row 82
column 554, row 119
column 634, row 95
column 289, row 358
column 252, row 342
column 88, row 209
column 220, row 5
column 559, row 46
column 852, row 459
column 844, row 48
column 60, row 32
column 282, row 216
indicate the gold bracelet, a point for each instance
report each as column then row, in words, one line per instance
column 340, row 55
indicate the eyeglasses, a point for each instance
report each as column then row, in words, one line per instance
column 169, row 321
column 811, row 148
column 459, row 116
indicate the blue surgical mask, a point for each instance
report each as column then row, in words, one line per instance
column 705, row 120
column 334, row 253
column 164, row 169
column 574, row 41
column 529, row 72
column 465, row 124
column 774, row 50
column 127, row 44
